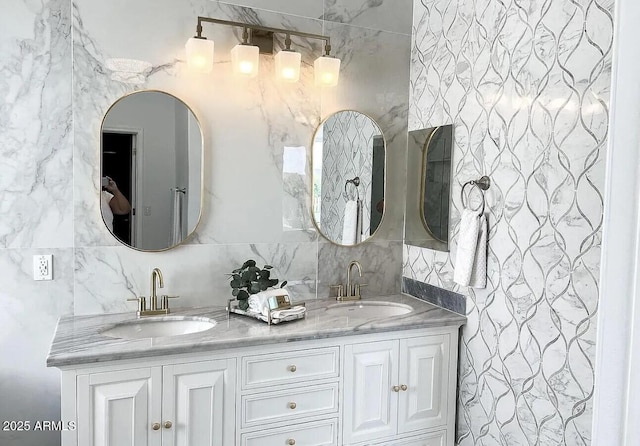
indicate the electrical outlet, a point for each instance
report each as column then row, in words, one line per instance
column 43, row 267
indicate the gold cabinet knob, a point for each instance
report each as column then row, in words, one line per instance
column 168, row 424
column 291, row 441
column 403, row 387
column 155, row 426
column 292, row 405
column 293, row 368
column 396, row 388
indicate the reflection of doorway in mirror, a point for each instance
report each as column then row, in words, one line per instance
column 119, row 163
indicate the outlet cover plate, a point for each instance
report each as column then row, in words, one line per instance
column 43, row 267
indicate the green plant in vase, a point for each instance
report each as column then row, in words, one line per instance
column 249, row 279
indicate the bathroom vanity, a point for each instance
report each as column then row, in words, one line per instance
column 332, row 378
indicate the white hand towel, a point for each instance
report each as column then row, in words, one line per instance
column 259, row 302
column 359, row 224
column 288, row 313
column 350, row 224
column 471, row 256
column 479, row 272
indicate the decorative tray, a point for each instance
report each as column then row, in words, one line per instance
column 232, row 307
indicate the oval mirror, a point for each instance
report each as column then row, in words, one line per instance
column 151, row 170
column 348, row 163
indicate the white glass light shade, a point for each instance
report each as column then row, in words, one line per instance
column 244, row 60
column 326, row 71
column 288, row 65
column 200, row 55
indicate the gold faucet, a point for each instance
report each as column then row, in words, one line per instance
column 156, row 281
column 156, row 275
column 352, row 290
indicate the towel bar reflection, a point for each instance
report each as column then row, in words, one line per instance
column 482, row 184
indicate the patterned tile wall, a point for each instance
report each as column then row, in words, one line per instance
column 526, row 85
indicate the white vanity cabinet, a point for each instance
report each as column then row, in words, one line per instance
column 181, row 404
column 394, row 388
column 290, row 397
column 399, row 387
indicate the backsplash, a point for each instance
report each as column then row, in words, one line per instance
column 527, row 88
column 53, row 107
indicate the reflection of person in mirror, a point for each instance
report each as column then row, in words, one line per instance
column 113, row 202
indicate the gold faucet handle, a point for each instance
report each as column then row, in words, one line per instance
column 340, row 289
column 165, row 301
column 142, row 302
column 358, row 286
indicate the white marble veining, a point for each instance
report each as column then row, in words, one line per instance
column 35, row 124
column 28, row 318
column 106, row 277
column 255, row 206
column 304, row 8
column 374, row 256
column 387, row 15
column 527, row 90
column 79, row 339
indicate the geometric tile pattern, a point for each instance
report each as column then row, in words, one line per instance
column 526, row 85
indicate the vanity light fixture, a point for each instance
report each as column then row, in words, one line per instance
column 257, row 40
column 244, row 57
column 200, row 54
column 288, row 63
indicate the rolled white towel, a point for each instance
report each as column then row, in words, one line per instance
column 259, row 302
column 288, row 313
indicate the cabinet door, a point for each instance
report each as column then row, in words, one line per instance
column 199, row 402
column 119, row 408
column 370, row 404
column 431, row 439
column 424, row 370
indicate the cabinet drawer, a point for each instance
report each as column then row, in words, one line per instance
column 289, row 367
column 322, row 433
column 289, row 404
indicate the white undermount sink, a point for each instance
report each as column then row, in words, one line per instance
column 368, row 310
column 159, row 327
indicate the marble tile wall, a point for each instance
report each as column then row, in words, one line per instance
column 527, row 87
column 55, row 88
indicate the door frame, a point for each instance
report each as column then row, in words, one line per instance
column 137, row 175
column 616, row 407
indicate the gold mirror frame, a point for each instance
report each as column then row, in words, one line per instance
column 201, row 177
column 384, row 185
column 423, row 184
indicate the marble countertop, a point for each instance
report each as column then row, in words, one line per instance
column 78, row 339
